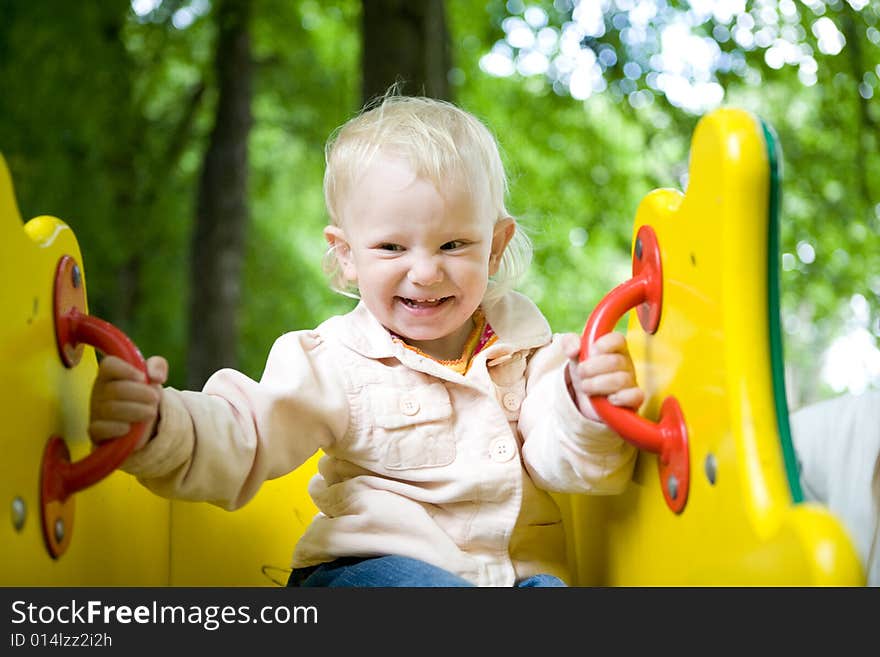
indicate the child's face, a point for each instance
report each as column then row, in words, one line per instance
column 421, row 258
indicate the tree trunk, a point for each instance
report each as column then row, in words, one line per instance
column 405, row 42
column 866, row 123
column 218, row 241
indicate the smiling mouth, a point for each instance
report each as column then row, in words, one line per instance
column 423, row 303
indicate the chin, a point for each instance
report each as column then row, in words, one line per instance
column 421, row 336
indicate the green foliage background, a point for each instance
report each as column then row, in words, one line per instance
column 104, row 116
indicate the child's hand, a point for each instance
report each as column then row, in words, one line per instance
column 608, row 370
column 120, row 397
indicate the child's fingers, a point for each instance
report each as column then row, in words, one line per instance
column 157, row 369
column 628, row 398
column 113, row 368
column 122, row 396
column 571, row 345
column 132, row 391
column 100, row 430
column 607, row 372
column 609, row 343
column 117, row 410
column 606, row 384
column 598, row 364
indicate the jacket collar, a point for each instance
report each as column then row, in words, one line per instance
column 515, row 319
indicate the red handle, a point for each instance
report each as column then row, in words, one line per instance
column 668, row 437
column 109, row 455
column 61, row 477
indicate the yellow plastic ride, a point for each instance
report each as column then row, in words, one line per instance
column 714, row 499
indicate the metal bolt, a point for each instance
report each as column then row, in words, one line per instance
column 59, row 530
column 672, row 486
column 19, row 513
column 75, row 276
column 638, row 248
column 710, row 465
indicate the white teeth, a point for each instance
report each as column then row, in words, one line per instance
column 411, row 300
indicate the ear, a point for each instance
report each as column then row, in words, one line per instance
column 502, row 233
column 338, row 242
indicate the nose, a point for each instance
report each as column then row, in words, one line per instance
column 424, row 271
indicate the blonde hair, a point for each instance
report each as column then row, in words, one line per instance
column 443, row 144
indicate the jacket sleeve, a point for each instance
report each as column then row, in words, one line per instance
column 219, row 445
column 564, row 451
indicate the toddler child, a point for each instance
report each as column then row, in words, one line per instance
column 445, row 407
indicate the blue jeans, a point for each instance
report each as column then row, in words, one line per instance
column 391, row 571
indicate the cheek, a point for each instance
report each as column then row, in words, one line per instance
column 349, row 270
column 378, row 275
column 478, row 271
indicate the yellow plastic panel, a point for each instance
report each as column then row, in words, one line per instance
column 712, row 353
column 120, row 531
column 251, row 546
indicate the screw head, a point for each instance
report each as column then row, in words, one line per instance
column 75, row 276
column 638, row 248
column 19, row 513
column 710, row 466
column 672, row 486
column 59, row 530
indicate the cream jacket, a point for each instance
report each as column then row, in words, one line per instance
column 418, row 461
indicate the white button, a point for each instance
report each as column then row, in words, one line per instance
column 409, row 406
column 501, row 450
column 511, row 401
